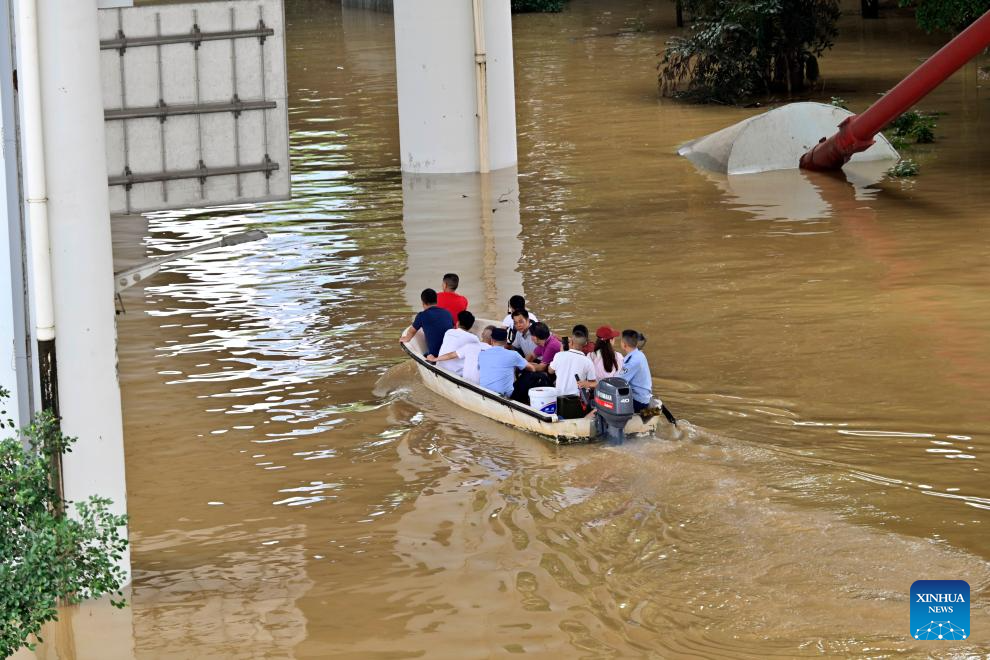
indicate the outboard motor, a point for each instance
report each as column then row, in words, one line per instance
column 613, row 408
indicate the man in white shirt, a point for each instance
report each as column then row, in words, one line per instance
column 454, row 339
column 469, row 354
column 517, row 302
column 570, row 363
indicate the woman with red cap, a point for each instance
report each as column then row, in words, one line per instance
column 607, row 361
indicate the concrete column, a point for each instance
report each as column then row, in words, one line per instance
column 436, row 75
column 82, row 260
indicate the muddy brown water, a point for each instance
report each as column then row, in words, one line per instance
column 293, row 493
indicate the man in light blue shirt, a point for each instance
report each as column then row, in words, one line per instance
column 497, row 367
column 636, row 371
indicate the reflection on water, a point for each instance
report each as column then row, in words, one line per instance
column 293, row 493
column 466, row 224
column 799, row 196
column 239, row 597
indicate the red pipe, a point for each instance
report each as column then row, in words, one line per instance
column 856, row 133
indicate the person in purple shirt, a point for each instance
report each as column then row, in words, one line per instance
column 433, row 320
column 547, row 345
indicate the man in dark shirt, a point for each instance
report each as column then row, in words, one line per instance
column 433, row 320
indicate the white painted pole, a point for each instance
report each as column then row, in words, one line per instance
column 35, row 183
column 81, row 256
column 36, row 206
column 481, row 82
column 37, row 211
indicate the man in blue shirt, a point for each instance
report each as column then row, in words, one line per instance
column 497, row 367
column 636, row 371
column 433, row 320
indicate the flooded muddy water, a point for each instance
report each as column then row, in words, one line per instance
column 294, row 493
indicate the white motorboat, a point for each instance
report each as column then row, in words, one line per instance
column 497, row 407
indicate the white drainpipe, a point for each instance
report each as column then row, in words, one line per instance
column 37, row 207
column 481, row 81
column 34, row 167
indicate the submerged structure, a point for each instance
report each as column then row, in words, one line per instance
column 815, row 136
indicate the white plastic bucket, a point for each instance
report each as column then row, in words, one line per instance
column 543, row 399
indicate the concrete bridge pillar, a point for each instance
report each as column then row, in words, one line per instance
column 81, row 255
column 455, row 85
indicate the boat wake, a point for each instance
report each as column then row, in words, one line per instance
column 684, row 542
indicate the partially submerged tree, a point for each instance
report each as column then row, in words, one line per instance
column 947, row 15
column 47, row 556
column 739, row 49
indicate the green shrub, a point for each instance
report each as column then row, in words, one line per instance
column 45, row 555
column 520, row 6
column 904, row 168
column 913, row 125
column 946, row 15
column 737, row 49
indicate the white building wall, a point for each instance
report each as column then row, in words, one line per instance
column 15, row 359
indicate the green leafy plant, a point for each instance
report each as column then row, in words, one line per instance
column 904, row 168
column 47, row 556
column 737, row 49
column 946, row 15
column 839, row 102
column 522, row 6
column 914, row 126
column 5, row 420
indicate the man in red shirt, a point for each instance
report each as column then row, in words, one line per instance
column 449, row 299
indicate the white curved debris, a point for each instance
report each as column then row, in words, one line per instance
column 776, row 140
